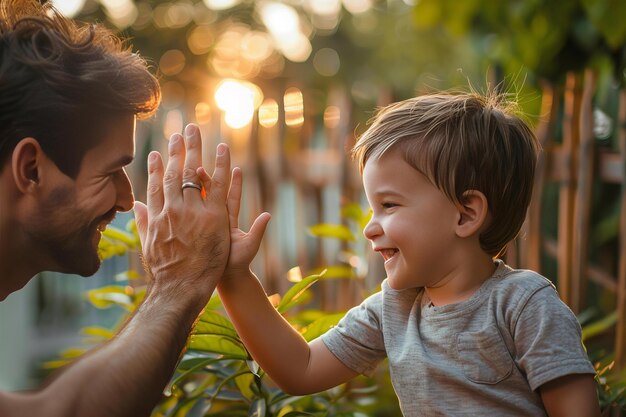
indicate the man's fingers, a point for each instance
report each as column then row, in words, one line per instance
column 155, row 184
column 221, row 174
column 205, row 181
column 234, row 197
column 193, row 160
column 172, row 179
column 141, row 219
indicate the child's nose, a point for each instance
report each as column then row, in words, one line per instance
column 372, row 229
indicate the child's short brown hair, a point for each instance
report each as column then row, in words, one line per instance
column 463, row 142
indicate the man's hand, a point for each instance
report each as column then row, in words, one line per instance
column 185, row 238
column 243, row 246
column 184, row 232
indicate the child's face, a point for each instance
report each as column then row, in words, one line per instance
column 412, row 225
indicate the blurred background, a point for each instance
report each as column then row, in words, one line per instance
column 290, row 84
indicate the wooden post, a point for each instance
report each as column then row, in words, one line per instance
column 531, row 252
column 568, row 187
column 582, row 203
column 620, row 342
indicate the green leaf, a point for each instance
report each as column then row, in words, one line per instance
column 337, row 272
column 253, row 367
column 214, row 303
column 607, row 17
column 210, row 319
column 129, row 275
column 244, row 382
column 303, row 298
column 296, row 290
column 354, row 212
column 203, row 327
column 599, row 326
column 321, row 326
column 99, row 332
column 336, row 231
column 108, row 249
column 72, row 353
column 55, row 364
column 218, row 344
column 110, row 295
column 118, row 235
column 258, row 408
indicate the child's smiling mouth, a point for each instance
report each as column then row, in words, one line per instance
column 387, row 253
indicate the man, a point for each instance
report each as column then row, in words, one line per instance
column 69, row 96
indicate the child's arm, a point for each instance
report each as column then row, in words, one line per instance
column 296, row 366
column 571, row 396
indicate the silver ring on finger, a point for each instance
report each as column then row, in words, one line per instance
column 191, row 184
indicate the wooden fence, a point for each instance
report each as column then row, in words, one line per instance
column 578, row 165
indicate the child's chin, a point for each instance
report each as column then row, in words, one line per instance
column 397, row 284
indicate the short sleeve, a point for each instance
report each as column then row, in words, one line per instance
column 357, row 340
column 548, row 340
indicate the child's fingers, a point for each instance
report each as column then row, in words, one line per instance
column 258, row 230
column 234, row 197
column 221, row 174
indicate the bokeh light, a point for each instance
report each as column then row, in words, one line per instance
column 332, row 116
column 172, row 62
column 238, row 100
column 326, row 62
column 294, row 107
column 324, row 7
column 357, row 6
column 173, row 94
column 122, row 13
column 283, row 23
column 221, row 4
column 200, row 40
column 69, row 8
column 268, row 113
column 203, row 113
column 173, row 123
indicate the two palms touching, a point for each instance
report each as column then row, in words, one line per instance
column 243, row 245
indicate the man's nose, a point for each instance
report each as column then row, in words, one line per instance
column 125, row 197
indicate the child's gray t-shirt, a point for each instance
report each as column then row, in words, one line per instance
column 488, row 354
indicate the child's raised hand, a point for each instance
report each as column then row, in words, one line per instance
column 243, row 246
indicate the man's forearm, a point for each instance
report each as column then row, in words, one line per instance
column 123, row 378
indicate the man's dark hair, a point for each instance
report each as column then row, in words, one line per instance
column 62, row 82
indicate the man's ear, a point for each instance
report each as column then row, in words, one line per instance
column 473, row 212
column 26, row 162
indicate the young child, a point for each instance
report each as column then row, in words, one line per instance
column 449, row 179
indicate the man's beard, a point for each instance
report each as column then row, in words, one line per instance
column 67, row 235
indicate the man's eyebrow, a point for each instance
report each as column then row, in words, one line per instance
column 120, row 162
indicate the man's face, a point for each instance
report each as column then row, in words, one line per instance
column 75, row 211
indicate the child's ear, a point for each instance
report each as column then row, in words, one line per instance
column 473, row 212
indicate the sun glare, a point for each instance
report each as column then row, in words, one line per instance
column 238, row 100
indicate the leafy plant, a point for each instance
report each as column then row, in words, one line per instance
column 611, row 381
column 217, row 375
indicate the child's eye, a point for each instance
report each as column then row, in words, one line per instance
column 388, row 205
